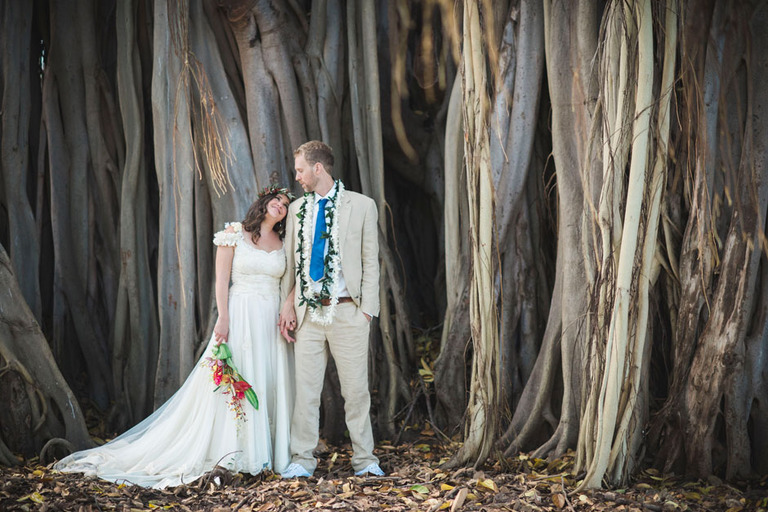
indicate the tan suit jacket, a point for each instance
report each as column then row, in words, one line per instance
column 359, row 241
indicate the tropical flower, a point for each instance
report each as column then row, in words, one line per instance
column 227, row 379
column 276, row 189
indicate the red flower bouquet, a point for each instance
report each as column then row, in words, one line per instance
column 229, row 381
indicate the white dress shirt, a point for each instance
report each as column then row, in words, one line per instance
column 341, row 284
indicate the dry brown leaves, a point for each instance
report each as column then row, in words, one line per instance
column 414, row 481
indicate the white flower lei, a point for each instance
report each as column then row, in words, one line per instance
column 323, row 316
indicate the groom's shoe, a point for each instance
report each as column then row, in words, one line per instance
column 295, row 470
column 371, row 469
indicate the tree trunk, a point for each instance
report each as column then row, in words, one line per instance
column 570, row 35
column 65, row 106
column 24, row 246
column 174, row 161
column 28, row 371
column 136, row 325
column 482, row 422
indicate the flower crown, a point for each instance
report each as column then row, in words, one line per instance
column 275, row 189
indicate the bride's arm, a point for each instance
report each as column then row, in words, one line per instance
column 224, row 256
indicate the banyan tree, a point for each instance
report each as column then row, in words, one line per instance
column 571, row 199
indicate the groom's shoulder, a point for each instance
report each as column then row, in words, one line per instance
column 296, row 203
column 359, row 198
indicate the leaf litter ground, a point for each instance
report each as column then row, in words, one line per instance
column 414, row 481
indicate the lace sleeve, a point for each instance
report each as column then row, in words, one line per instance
column 230, row 236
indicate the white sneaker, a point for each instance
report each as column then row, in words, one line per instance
column 372, row 469
column 295, row 470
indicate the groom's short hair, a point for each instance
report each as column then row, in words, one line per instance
column 315, row 151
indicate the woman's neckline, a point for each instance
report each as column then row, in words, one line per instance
column 257, row 248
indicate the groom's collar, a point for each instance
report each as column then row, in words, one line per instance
column 331, row 193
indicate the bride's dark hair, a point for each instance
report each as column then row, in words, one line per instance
column 256, row 214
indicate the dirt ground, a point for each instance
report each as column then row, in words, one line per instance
column 414, row 481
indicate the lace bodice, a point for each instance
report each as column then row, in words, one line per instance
column 257, row 271
column 253, row 270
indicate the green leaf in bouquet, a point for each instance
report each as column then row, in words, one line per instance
column 222, row 351
column 250, row 394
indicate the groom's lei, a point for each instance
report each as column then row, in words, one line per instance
column 332, row 260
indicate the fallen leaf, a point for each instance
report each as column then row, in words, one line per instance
column 426, row 372
column 559, row 500
column 35, row 496
column 488, row 484
column 458, row 501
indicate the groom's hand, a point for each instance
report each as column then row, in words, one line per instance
column 287, row 322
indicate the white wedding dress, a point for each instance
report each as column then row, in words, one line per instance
column 195, row 430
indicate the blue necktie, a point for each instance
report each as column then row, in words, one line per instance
column 317, row 261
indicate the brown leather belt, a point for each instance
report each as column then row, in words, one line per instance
column 327, row 302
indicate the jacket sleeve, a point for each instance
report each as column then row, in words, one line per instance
column 369, row 289
column 289, row 277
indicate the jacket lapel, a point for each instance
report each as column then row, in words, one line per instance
column 344, row 211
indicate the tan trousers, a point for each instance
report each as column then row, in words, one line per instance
column 347, row 339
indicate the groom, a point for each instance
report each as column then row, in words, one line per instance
column 332, row 276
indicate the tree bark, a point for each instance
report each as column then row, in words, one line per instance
column 64, row 96
column 42, row 391
column 174, row 163
column 136, row 325
column 24, row 246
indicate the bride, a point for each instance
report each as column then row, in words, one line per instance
column 197, row 428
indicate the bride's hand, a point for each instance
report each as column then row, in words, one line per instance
column 221, row 330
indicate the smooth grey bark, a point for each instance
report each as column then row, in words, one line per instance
column 136, row 329
column 244, row 182
column 513, row 129
column 15, row 165
column 103, row 175
column 261, row 100
column 174, row 164
column 326, row 53
column 64, row 99
column 298, row 111
column 570, row 42
column 513, row 123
